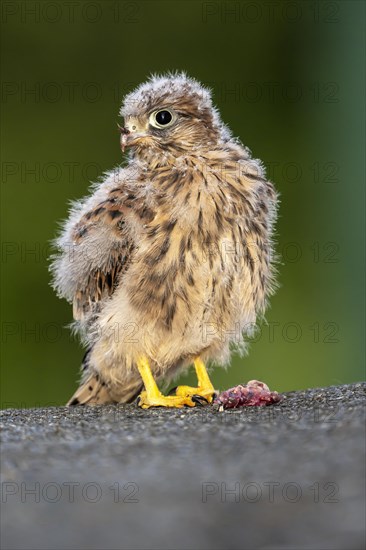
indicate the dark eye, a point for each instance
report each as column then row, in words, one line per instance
column 161, row 119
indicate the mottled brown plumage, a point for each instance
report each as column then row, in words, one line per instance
column 170, row 259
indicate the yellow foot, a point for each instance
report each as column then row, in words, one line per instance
column 205, row 391
column 159, row 400
column 186, row 396
column 200, row 395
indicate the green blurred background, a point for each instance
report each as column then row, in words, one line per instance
column 288, row 78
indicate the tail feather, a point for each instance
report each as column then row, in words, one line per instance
column 91, row 392
column 95, row 392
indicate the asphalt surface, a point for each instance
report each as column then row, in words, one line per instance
column 288, row 476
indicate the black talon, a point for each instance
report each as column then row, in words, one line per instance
column 199, row 400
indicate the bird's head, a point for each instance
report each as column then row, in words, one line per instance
column 172, row 114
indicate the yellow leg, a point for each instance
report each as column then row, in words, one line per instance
column 204, row 389
column 152, row 396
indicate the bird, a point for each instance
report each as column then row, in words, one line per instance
column 169, row 261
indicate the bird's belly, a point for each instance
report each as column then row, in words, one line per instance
column 175, row 310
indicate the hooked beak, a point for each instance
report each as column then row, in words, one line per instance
column 133, row 132
column 124, row 137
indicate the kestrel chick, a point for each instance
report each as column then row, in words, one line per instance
column 170, row 260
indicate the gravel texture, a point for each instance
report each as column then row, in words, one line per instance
column 287, row 476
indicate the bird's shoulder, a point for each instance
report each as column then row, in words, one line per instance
column 119, row 202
